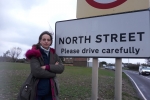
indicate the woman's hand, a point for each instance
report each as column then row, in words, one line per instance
column 57, row 63
column 43, row 67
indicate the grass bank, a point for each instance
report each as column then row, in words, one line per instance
column 75, row 83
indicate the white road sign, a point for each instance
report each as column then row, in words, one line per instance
column 124, row 35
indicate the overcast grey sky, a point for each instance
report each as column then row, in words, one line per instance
column 22, row 21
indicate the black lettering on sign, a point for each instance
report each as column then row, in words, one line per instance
column 96, row 51
column 75, row 40
column 69, row 51
column 112, row 50
column 68, row 40
column 103, row 51
column 114, row 37
column 125, row 50
column 105, row 35
column 116, row 50
column 80, row 39
column 61, row 40
column 98, row 38
column 132, row 36
column 108, row 50
column 131, row 50
column 140, row 35
column 90, row 50
column 122, row 37
column 87, row 39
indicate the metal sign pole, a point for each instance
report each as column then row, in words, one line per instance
column 118, row 79
column 95, row 79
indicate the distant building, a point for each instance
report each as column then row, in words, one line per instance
column 68, row 60
column 80, row 62
column 90, row 63
column 76, row 61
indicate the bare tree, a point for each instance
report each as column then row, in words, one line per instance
column 148, row 61
column 18, row 52
column 6, row 54
column 15, row 52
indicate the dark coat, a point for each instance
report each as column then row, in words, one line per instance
column 36, row 61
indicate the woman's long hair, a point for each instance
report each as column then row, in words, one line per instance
column 40, row 37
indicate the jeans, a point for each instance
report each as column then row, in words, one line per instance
column 45, row 97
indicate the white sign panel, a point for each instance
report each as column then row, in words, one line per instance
column 124, row 35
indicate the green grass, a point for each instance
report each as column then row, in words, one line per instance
column 75, row 83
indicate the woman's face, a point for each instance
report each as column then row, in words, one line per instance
column 45, row 41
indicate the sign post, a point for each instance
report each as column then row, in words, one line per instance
column 118, row 79
column 95, row 79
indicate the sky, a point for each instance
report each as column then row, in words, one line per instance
column 22, row 21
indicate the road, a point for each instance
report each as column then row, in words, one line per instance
column 142, row 83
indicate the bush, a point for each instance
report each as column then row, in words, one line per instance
column 133, row 67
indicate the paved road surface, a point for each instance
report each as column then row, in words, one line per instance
column 141, row 82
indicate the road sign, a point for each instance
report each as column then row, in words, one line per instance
column 88, row 8
column 120, row 35
column 105, row 5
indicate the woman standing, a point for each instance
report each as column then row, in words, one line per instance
column 42, row 83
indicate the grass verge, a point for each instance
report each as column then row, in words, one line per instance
column 75, row 83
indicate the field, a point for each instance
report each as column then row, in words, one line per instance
column 75, row 83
